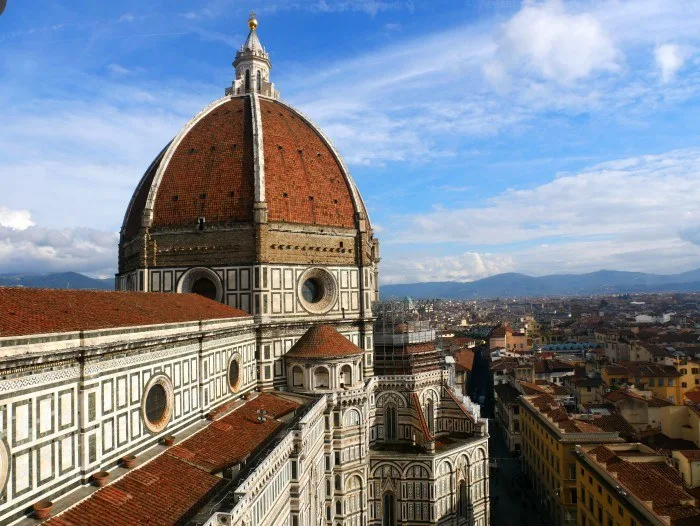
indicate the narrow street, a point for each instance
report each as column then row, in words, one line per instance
column 512, row 502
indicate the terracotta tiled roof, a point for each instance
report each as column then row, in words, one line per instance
column 211, row 173
column 174, row 485
column 641, row 370
column 622, row 394
column 506, row 393
column 615, row 423
column 651, row 481
column 25, row 311
column 299, row 165
column 232, row 438
column 464, row 359
column 323, row 341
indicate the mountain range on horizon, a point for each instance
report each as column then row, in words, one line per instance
column 58, row 280
column 500, row 285
column 521, row 285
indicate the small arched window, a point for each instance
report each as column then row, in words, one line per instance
column 345, row 376
column 259, row 82
column 321, row 378
column 389, row 510
column 463, row 499
column 247, row 80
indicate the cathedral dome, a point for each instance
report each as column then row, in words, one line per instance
column 246, row 158
column 239, row 151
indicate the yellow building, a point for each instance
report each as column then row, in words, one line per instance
column 682, row 422
column 689, row 378
column 630, row 485
column 687, row 462
column 662, row 380
column 549, row 436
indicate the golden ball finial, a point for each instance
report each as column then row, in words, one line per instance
column 252, row 21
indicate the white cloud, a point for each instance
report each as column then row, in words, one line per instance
column 118, row 70
column 546, row 39
column 127, row 17
column 669, row 59
column 420, row 267
column 638, row 213
column 15, row 219
column 25, row 247
column 641, row 196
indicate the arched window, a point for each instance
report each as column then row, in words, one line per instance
column 345, row 376
column 338, row 507
column 389, row 509
column 431, row 416
column 321, row 378
column 390, row 423
column 463, row 499
column 247, row 80
column 259, row 82
column 338, row 482
column 297, row 377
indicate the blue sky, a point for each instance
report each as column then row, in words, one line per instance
column 485, row 136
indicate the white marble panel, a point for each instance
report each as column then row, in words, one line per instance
column 23, row 478
column 45, row 415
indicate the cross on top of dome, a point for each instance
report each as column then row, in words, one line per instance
column 253, row 66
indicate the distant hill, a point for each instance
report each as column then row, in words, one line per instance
column 61, row 280
column 521, row 285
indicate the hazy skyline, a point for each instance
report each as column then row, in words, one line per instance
column 485, row 136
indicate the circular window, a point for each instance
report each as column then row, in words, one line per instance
column 312, row 290
column 204, row 287
column 157, row 405
column 234, row 373
column 318, row 290
column 202, row 281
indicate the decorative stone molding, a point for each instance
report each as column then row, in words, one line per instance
column 329, row 290
column 163, row 381
column 191, row 276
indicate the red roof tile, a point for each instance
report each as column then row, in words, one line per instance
column 25, row 311
column 210, row 173
column 465, row 359
column 323, row 341
column 303, row 181
column 174, row 485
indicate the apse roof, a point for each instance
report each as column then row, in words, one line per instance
column 323, row 341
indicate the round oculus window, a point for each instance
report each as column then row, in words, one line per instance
column 202, row 281
column 312, row 290
column 234, row 374
column 205, row 287
column 318, row 290
column 157, row 405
